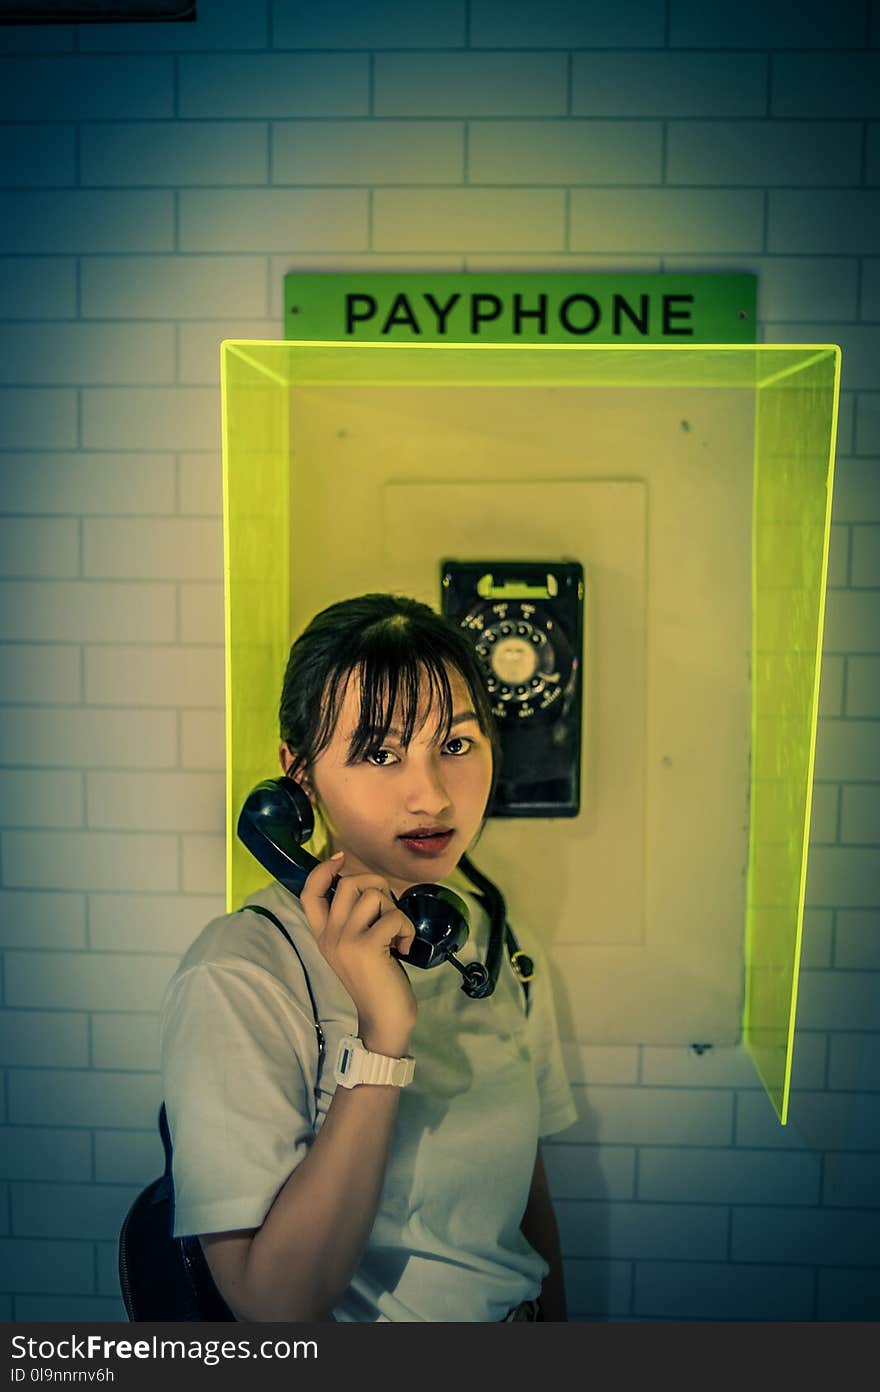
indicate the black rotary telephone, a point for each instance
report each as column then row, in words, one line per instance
column 277, row 819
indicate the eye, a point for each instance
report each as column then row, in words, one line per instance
column 460, row 739
column 374, row 754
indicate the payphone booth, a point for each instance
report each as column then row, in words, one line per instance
column 684, row 495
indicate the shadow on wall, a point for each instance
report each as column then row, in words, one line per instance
column 582, row 1200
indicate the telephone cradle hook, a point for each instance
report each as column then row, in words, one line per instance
column 475, row 978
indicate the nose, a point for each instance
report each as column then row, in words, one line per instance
column 426, row 788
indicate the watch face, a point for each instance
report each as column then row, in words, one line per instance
column 346, row 1058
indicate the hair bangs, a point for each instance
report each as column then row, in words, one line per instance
column 391, row 681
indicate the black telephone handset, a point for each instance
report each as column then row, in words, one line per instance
column 277, row 819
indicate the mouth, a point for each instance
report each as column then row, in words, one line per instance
column 426, row 842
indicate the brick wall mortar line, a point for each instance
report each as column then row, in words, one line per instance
column 734, row 1118
column 765, row 229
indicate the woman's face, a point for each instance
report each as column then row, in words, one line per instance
column 369, row 805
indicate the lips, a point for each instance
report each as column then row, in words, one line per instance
column 428, row 843
column 423, row 833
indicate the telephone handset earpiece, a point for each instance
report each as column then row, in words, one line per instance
column 277, row 819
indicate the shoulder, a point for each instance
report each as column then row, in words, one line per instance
column 248, row 946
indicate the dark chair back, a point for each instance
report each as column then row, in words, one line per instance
column 164, row 1278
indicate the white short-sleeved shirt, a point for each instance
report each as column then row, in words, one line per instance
column 239, row 1058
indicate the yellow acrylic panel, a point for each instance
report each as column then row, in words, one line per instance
column 793, row 391
column 796, row 423
column 256, row 585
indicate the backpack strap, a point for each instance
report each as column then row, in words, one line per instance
column 165, row 1133
column 319, row 1033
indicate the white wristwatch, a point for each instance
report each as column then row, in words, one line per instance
column 355, row 1064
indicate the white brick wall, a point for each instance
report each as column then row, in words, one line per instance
column 46, row 1153
column 86, row 220
column 143, row 154
column 157, row 182
column 709, row 1290
column 40, row 675
column 346, row 24
column 669, row 84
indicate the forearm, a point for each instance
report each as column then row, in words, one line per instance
column 303, row 1257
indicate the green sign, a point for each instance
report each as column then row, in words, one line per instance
column 514, row 308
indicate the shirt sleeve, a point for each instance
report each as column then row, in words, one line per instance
column 238, row 1059
column 558, row 1110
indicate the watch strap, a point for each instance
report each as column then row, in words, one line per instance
column 356, row 1064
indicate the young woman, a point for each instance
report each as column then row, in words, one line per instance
column 317, row 1201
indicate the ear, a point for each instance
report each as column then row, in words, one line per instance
column 300, row 776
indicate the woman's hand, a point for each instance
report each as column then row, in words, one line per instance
column 356, row 933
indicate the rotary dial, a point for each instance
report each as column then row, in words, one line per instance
column 525, row 657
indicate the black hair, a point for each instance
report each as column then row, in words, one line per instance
column 391, row 642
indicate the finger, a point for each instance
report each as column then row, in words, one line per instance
column 348, row 892
column 368, row 908
column 394, row 929
column 314, row 891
